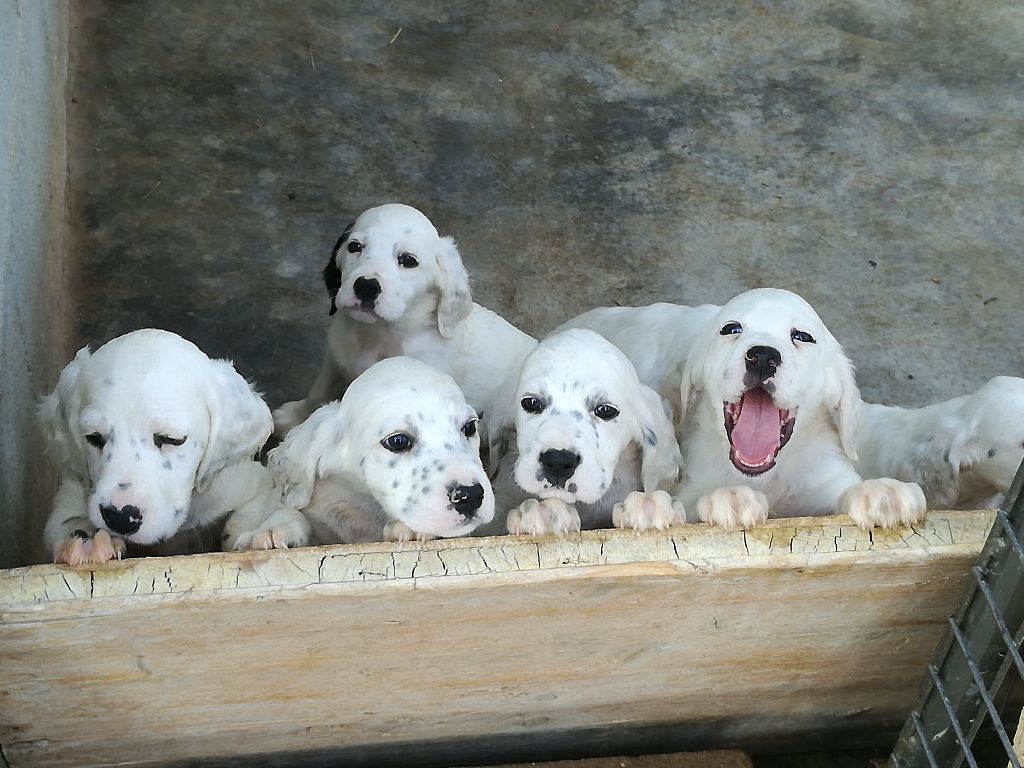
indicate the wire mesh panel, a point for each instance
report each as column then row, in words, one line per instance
column 969, row 706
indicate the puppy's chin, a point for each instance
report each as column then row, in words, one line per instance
column 362, row 315
column 757, row 430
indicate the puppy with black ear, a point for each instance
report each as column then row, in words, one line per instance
column 151, row 437
column 578, row 442
column 397, row 458
column 963, row 452
column 769, row 422
column 398, row 288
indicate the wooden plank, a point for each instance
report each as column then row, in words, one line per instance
column 798, row 626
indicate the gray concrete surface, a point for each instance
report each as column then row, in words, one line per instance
column 33, row 291
column 865, row 154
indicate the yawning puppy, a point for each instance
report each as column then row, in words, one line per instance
column 398, row 288
column 151, row 436
column 963, row 452
column 576, row 430
column 769, row 421
column 397, row 458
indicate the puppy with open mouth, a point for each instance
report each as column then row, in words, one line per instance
column 769, row 420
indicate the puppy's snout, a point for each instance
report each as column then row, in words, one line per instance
column 558, row 466
column 366, row 288
column 126, row 520
column 762, row 361
column 467, row 498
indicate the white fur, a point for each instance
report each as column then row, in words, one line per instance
column 425, row 312
column 814, row 470
column 133, row 388
column 571, row 374
column 334, row 468
column 963, row 452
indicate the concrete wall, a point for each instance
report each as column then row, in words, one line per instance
column 33, row 308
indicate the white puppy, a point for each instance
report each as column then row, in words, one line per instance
column 769, row 419
column 402, row 290
column 151, row 436
column 963, row 452
column 397, row 458
column 577, row 430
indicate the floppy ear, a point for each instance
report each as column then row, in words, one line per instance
column 456, row 300
column 296, row 463
column 660, row 460
column 689, row 388
column 332, row 272
column 57, row 411
column 844, row 402
column 240, row 422
column 499, row 420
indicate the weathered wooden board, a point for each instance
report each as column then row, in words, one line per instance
column 798, row 626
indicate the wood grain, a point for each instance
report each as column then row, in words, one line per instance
column 798, row 626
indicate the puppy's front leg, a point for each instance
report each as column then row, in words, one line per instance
column 648, row 511
column 542, row 517
column 71, row 537
column 884, row 502
column 398, row 531
column 737, row 506
column 251, row 528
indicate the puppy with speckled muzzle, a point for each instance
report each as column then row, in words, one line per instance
column 588, row 445
column 151, row 437
column 397, row 458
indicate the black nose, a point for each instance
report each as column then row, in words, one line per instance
column 366, row 288
column 762, row 361
column 126, row 520
column 467, row 498
column 558, row 466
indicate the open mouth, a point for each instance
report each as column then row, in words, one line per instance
column 757, row 431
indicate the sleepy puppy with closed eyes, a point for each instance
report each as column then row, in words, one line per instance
column 398, row 288
column 397, row 458
column 579, row 442
column 151, row 437
column 964, row 452
column 770, row 417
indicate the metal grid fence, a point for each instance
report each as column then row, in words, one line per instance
column 969, row 706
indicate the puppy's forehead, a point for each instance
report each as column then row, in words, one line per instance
column 395, row 219
column 769, row 308
column 576, row 361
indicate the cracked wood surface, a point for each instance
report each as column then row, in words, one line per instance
column 796, row 629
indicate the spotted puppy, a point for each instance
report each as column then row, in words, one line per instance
column 397, row 458
column 398, row 288
column 963, row 452
column 150, row 436
column 581, row 443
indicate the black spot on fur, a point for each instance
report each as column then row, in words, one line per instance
column 425, row 490
column 138, row 457
column 394, row 484
column 578, row 415
column 123, row 486
column 78, row 533
column 362, row 462
column 392, row 463
column 650, row 438
column 332, row 272
column 167, row 464
column 448, row 447
column 571, row 488
column 991, row 452
column 945, row 457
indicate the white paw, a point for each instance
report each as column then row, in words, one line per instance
column 885, row 503
column 736, row 506
column 547, row 516
column 289, row 416
column 399, row 531
column 82, row 549
column 282, row 530
column 648, row 511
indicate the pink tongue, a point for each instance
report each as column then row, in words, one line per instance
column 755, row 435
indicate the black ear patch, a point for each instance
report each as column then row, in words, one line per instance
column 332, row 274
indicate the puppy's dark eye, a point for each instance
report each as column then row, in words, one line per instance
column 407, row 260
column 803, row 336
column 731, row 328
column 161, row 440
column 397, row 443
column 354, row 246
column 531, row 404
column 96, row 440
column 469, row 428
column 606, row 411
